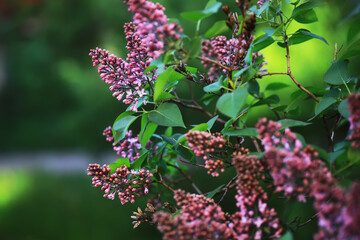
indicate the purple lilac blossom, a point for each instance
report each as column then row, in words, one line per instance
column 296, row 171
column 354, row 108
column 128, row 184
column 147, row 38
column 129, row 147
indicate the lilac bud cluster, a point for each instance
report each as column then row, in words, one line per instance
column 230, row 52
column 128, row 184
column 298, row 172
column 152, row 26
column 254, row 215
column 200, row 218
column 205, row 145
column 129, row 148
column 354, row 107
column 145, row 36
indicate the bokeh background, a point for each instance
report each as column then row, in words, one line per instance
column 54, row 107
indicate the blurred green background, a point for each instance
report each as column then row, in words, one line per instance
column 53, row 108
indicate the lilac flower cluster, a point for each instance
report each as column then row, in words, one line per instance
column 229, row 52
column 200, row 218
column 254, row 215
column 298, row 172
column 354, row 107
column 287, row 162
column 152, row 26
column 129, row 147
column 129, row 185
column 352, row 214
column 206, row 145
column 145, row 36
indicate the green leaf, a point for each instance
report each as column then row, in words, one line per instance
column 338, row 73
column 216, row 86
column 241, row 132
column 211, row 122
column 120, row 127
column 344, row 109
column 286, row 123
column 305, row 12
column 218, row 28
column 123, row 161
column 139, row 162
column 276, row 86
column 262, row 42
column 303, row 35
column 167, row 114
column 156, row 63
column 201, row 127
column 230, row 104
column 324, row 104
column 113, row 167
column 169, row 75
column 195, row 16
column 195, row 47
column 124, row 114
column 168, row 132
column 254, row 87
column 307, row 17
column 287, row 236
column 273, row 99
column 238, row 73
column 213, row 192
column 334, row 155
column 353, row 155
column 352, row 50
column 148, row 132
column 191, row 69
column 263, row 8
column 354, row 31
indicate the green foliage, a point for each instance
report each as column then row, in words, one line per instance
column 211, row 8
column 338, row 73
column 167, row 114
column 230, row 104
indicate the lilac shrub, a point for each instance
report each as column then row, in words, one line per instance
column 277, row 162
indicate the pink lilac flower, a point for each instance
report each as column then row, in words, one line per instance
column 297, row 172
column 230, row 52
column 351, row 228
column 127, row 184
column 261, row 2
column 354, row 107
column 152, row 26
column 199, row 218
column 147, row 38
column 206, row 146
column 254, row 215
column 129, row 147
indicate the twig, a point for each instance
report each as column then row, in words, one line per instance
column 309, row 220
column 164, row 184
column 271, row 74
column 186, row 176
column 290, row 73
column 205, row 59
column 190, row 163
column 197, row 107
column 227, row 187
